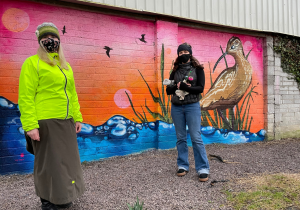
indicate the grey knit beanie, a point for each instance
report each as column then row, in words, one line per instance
column 46, row 29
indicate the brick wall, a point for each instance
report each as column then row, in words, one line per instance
column 111, row 126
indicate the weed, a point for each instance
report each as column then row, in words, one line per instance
column 137, row 205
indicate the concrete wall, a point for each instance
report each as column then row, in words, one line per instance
column 282, row 96
column 116, row 123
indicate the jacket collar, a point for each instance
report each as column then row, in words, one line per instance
column 54, row 55
column 185, row 67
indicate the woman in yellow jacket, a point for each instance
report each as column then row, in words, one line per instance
column 50, row 116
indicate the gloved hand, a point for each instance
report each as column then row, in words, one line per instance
column 184, row 86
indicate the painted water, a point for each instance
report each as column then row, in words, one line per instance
column 117, row 136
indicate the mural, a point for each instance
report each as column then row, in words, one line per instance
column 119, row 66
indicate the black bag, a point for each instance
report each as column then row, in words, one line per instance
column 29, row 146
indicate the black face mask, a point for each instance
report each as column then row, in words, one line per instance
column 184, row 58
column 50, row 45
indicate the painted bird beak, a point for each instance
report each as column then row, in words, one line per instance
column 219, row 61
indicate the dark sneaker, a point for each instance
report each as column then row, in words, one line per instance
column 203, row 177
column 46, row 205
column 181, row 172
column 64, row 206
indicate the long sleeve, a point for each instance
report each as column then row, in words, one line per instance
column 171, row 89
column 199, row 86
column 28, row 83
column 77, row 116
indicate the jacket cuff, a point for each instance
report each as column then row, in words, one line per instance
column 31, row 127
column 78, row 119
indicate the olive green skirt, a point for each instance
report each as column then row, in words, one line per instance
column 57, row 170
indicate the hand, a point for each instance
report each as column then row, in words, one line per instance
column 34, row 134
column 178, row 85
column 78, row 127
column 183, row 86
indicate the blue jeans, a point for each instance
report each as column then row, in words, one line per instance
column 189, row 114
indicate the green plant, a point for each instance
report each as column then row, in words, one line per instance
column 137, row 205
column 85, row 163
column 289, row 49
column 141, row 117
column 163, row 100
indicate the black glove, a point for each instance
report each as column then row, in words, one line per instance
column 183, row 86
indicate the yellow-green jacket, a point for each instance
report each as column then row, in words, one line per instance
column 46, row 92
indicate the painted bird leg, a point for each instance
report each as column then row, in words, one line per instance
column 224, row 119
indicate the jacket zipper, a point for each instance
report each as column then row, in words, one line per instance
column 65, row 89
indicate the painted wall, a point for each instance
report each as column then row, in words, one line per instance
column 117, row 93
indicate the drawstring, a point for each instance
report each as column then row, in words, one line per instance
column 37, row 69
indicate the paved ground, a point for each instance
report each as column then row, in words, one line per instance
column 152, row 177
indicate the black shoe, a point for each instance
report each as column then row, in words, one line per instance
column 47, row 205
column 181, row 172
column 203, row 177
column 64, row 206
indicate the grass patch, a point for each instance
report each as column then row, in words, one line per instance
column 278, row 191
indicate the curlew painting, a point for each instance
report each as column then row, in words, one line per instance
column 231, row 84
column 119, row 65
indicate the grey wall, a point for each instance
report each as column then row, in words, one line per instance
column 282, row 97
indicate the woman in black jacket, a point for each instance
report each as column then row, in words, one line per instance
column 189, row 79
